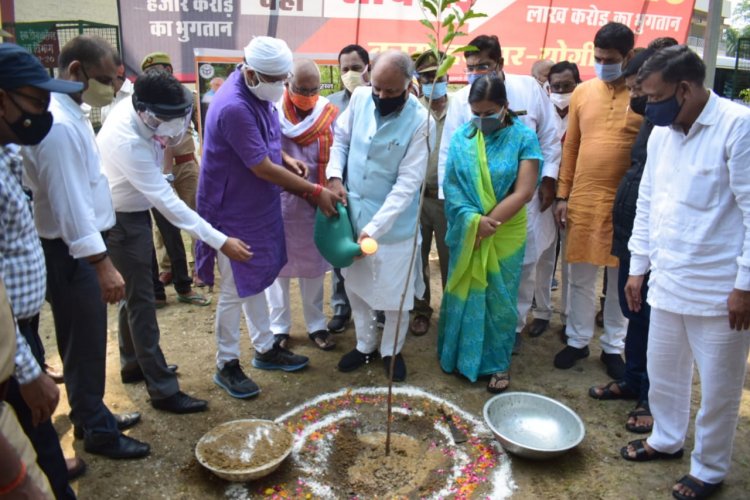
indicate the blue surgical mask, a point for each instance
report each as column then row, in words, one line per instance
column 436, row 91
column 663, row 113
column 490, row 123
column 608, row 72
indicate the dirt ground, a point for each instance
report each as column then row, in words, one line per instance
column 593, row 470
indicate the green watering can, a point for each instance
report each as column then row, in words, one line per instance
column 335, row 240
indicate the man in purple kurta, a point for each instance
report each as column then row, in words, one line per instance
column 307, row 121
column 243, row 169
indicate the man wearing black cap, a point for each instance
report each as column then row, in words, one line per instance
column 24, row 97
column 133, row 139
column 73, row 211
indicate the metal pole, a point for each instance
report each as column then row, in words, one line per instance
column 713, row 34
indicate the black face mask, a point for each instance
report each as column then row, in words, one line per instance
column 638, row 104
column 387, row 106
column 30, row 128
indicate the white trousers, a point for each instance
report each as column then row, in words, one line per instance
column 564, row 280
column 545, row 268
column 536, row 279
column 675, row 341
column 311, row 290
column 582, row 311
column 228, row 310
column 367, row 331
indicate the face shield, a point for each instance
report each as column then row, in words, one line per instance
column 169, row 122
column 169, row 132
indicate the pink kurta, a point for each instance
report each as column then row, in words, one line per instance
column 303, row 258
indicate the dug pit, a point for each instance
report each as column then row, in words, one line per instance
column 339, row 451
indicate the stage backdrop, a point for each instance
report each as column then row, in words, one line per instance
column 528, row 29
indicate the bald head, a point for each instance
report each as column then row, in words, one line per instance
column 540, row 70
column 394, row 61
column 306, row 78
column 391, row 73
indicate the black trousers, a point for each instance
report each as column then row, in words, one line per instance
column 176, row 250
column 131, row 247
column 81, row 328
column 49, row 455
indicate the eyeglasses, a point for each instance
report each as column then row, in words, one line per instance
column 101, row 79
column 39, row 103
column 479, row 68
column 311, row 91
column 563, row 88
column 273, row 79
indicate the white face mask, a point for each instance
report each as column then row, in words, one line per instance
column 266, row 91
column 561, row 101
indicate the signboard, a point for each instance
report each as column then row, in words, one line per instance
column 528, row 29
column 213, row 66
column 41, row 40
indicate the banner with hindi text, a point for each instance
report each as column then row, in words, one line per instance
column 528, row 29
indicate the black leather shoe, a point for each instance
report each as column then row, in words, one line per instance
column 538, row 327
column 399, row 367
column 338, row 323
column 615, row 365
column 180, row 402
column 354, row 359
column 137, row 375
column 567, row 357
column 123, row 420
column 115, row 446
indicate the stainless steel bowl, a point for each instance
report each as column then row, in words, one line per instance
column 533, row 426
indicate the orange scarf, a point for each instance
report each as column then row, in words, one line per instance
column 320, row 130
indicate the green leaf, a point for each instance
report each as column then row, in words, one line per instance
column 448, row 38
column 445, row 66
column 449, row 20
column 470, row 14
column 433, row 41
column 465, row 48
column 427, row 24
column 431, row 6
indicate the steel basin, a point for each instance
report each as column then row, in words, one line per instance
column 533, row 426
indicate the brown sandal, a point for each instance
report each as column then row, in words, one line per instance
column 322, row 340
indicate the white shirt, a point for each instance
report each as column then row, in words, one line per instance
column 132, row 162
column 692, row 225
column 411, row 170
column 524, row 94
column 71, row 195
column 125, row 92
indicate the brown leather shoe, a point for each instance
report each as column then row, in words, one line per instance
column 419, row 325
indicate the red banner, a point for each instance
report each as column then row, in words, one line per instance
column 528, row 29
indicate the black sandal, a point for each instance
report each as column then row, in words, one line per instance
column 322, row 340
column 704, row 490
column 641, row 410
column 642, row 454
column 494, row 379
column 608, row 394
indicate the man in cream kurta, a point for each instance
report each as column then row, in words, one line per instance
column 381, row 139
